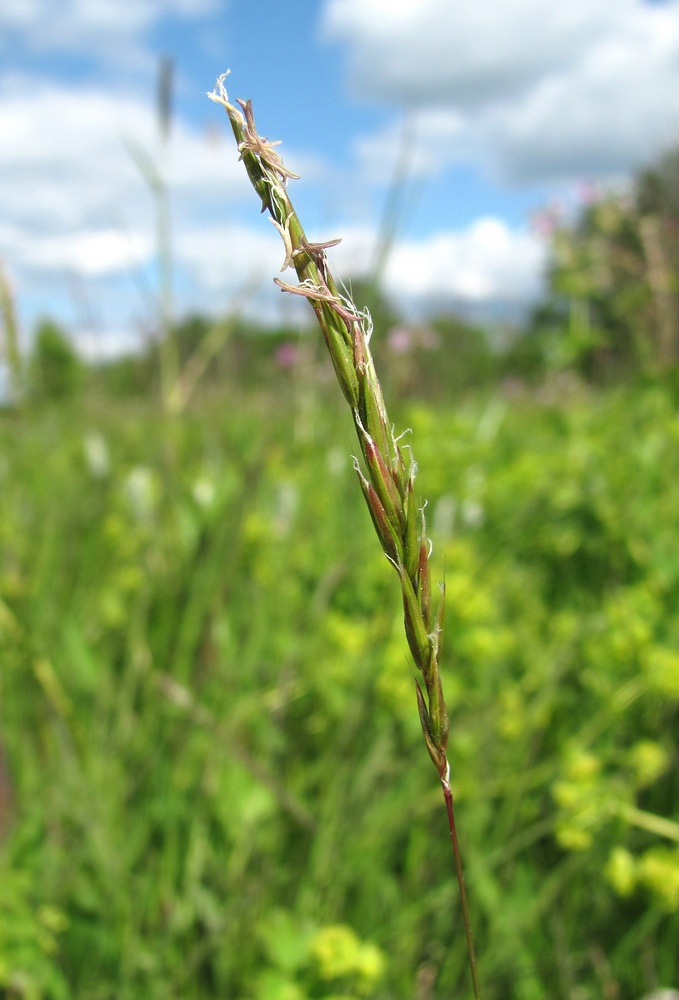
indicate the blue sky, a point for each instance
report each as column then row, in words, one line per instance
column 497, row 109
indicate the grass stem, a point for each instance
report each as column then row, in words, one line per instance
column 459, row 871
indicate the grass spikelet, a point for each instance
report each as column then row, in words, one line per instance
column 386, row 480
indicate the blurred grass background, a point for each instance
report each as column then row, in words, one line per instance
column 212, row 777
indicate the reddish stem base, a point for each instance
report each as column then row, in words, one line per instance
column 448, row 796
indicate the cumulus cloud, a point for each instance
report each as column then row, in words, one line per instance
column 548, row 90
column 461, row 52
column 617, row 112
column 19, row 13
column 67, row 177
column 230, row 255
column 486, row 261
column 109, row 29
column 94, row 254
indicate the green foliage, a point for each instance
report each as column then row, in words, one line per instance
column 55, row 371
column 329, row 963
column 613, row 303
column 29, row 941
column 210, row 726
column 436, row 360
column 211, row 352
column 658, row 187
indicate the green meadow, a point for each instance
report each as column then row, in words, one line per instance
column 213, row 780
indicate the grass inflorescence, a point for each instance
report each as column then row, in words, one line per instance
column 387, row 472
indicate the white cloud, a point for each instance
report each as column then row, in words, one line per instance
column 231, row 256
column 464, row 52
column 547, row 90
column 66, row 176
column 108, row 29
column 354, row 257
column 616, row 113
column 487, row 261
column 90, row 254
column 19, row 13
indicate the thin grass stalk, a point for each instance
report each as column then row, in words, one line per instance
column 154, row 171
column 8, row 319
column 169, row 352
column 387, row 472
column 397, row 200
column 207, row 350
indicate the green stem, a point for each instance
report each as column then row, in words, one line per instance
column 649, row 821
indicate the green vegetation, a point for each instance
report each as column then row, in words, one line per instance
column 212, row 781
column 217, row 787
column 55, row 371
column 613, row 305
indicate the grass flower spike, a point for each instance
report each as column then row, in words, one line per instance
column 387, row 472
